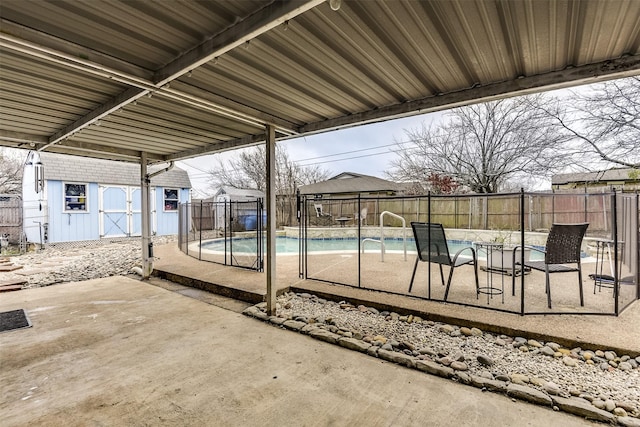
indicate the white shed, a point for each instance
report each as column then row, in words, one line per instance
column 70, row 198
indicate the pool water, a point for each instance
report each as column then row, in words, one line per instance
column 290, row 245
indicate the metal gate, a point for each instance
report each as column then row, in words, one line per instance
column 228, row 233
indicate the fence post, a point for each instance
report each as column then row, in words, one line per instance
column 614, row 231
column 200, row 233
column 226, row 221
column 359, row 234
column 428, row 243
column 521, row 252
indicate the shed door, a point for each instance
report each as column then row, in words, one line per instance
column 114, row 211
column 136, row 211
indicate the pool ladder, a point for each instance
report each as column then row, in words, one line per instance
column 381, row 240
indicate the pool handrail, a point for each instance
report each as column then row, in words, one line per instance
column 370, row 239
column 404, row 233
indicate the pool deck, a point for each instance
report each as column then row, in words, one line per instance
column 620, row 333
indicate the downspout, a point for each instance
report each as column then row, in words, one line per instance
column 158, row 172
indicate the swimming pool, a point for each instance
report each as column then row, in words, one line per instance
column 290, row 245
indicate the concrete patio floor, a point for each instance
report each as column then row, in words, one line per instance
column 620, row 333
column 121, row 352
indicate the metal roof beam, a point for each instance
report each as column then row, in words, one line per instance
column 218, row 147
column 254, row 25
column 21, row 138
column 591, row 73
column 108, row 152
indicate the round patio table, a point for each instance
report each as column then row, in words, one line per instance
column 489, row 249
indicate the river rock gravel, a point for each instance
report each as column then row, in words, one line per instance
column 594, row 383
column 59, row 263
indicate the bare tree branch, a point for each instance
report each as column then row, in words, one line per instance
column 10, row 173
column 605, row 123
column 482, row 147
column 248, row 170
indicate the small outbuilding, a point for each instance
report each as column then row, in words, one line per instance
column 353, row 184
column 243, row 204
column 622, row 179
column 70, row 198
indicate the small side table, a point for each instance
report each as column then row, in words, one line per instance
column 489, row 249
column 343, row 220
column 601, row 280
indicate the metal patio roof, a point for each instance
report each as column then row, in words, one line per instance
column 177, row 79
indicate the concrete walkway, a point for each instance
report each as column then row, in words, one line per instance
column 117, row 351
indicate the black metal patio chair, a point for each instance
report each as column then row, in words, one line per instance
column 562, row 247
column 431, row 244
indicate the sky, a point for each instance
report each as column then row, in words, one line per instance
column 364, row 149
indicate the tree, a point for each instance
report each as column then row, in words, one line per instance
column 482, row 147
column 248, row 170
column 605, row 123
column 10, row 173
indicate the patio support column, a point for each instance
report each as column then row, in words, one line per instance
column 147, row 246
column 271, row 218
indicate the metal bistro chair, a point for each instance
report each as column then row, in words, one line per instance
column 431, row 244
column 362, row 216
column 563, row 247
column 320, row 213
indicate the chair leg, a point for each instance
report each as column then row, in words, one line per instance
column 413, row 276
column 580, row 284
column 475, row 272
column 442, row 273
column 548, row 287
column 446, row 291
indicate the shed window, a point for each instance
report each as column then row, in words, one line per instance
column 75, row 197
column 170, row 199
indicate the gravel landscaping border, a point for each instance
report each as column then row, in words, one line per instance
column 594, row 384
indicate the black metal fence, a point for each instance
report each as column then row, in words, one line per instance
column 228, row 233
column 377, row 249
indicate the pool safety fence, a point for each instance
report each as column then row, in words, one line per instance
column 496, row 227
column 504, row 230
column 202, row 223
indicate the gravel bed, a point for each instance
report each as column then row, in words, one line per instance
column 60, row 263
column 594, row 377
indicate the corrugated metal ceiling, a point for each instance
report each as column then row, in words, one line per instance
column 176, row 79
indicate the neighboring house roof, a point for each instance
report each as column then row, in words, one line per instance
column 599, row 176
column 234, row 193
column 349, row 182
column 82, row 169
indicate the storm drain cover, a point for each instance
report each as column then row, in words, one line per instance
column 14, row 319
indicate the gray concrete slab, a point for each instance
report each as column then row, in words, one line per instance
column 117, row 351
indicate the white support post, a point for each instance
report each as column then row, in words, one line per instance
column 145, row 194
column 271, row 219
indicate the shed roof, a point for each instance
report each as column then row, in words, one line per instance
column 77, row 169
column 176, row 79
column 619, row 174
column 234, row 192
column 349, row 182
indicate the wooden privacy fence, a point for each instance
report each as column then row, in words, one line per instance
column 10, row 217
column 483, row 212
